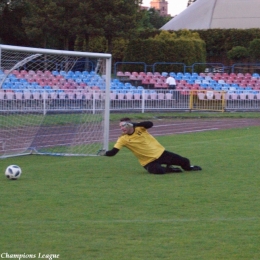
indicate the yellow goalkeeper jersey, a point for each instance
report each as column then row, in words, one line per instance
column 143, row 145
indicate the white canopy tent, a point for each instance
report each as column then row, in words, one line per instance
column 222, row 14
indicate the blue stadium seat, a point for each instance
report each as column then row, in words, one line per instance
column 86, row 80
column 172, row 74
column 204, row 85
column 187, row 74
column 225, row 88
column 164, row 74
column 85, row 73
column 178, row 77
column 78, row 73
column 115, row 81
column 63, row 73
column 78, row 80
column 55, row 73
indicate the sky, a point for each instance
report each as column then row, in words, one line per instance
column 174, row 6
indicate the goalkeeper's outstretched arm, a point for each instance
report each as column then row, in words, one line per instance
column 128, row 128
column 112, row 152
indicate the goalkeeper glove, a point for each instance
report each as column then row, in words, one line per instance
column 101, row 152
column 127, row 124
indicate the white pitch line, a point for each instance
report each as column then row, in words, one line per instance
column 200, row 130
column 183, row 132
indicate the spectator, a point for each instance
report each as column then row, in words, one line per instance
column 171, row 82
column 172, row 86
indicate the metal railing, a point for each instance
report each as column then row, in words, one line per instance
column 130, row 100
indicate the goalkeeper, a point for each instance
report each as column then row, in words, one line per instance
column 150, row 153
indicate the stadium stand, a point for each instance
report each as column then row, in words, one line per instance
column 75, row 86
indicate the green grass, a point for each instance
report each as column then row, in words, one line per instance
column 37, row 119
column 110, row 208
column 183, row 115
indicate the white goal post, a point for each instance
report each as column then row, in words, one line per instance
column 53, row 102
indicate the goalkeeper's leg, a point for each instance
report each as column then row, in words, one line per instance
column 156, row 168
column 170, row 158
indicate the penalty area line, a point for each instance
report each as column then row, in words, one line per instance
column 184, row 132
column 199, row 130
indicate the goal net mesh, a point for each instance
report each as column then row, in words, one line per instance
column 52, row 102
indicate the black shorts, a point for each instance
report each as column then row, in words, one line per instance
column 167, row 158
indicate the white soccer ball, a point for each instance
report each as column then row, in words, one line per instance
column 13, row 172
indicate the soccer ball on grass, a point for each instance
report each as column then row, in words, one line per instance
column 13, row 172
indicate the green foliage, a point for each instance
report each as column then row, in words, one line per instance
column 167, row 47
column 254, row 49
column 238, row 53
column 220, row 41
column 49, row 23
column 143, row 21
column 111, row 208
column 119, row 47
column 97, row 44
column 165, row 36
column 188, row 34
column 116, row 18
column 151, row 19
column 11, row 32
column 214, row 40
column 83, row 25
column 48, row 18
column 155, row 19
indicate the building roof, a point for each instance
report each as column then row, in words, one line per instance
column 222, row 14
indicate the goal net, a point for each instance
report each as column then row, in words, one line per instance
column 53, row 102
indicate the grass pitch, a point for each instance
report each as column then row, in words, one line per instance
column 82, row 208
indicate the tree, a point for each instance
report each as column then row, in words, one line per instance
column 151, row 19
column 117, row 18
column 71, row 20
column 156, row 20
column 143, row 21
column 165, row 36
column 60, row 20
column 38, row 24
column 87, row 26
column 238, row 53
column 11, row 31
column 254, row 49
